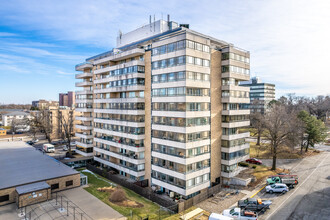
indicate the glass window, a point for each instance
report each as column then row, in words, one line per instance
column 190, row 60
column 206, row 63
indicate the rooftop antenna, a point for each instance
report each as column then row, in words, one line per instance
column 154, row 22
column 150, row 23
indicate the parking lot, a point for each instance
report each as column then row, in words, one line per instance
column 310, row 198
column 59, row 151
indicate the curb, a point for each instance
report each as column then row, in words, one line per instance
column 258, row 191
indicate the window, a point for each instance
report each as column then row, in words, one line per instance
column 54, row 186
column 4, row 198
column 69, row 183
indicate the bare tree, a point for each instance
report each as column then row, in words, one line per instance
column 280, row 128
column 42, row 122
column 66, row 123
column 257, row 120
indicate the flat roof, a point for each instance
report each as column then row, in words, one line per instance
column 32, row 187
column 22, row 164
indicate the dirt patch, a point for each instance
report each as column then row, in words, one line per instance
column 109, row 189
column 220, row 202
column 129, row 203
column 119, row 198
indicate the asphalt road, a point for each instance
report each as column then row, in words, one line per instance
column 310, row 199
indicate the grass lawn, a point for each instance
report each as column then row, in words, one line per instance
column 150, row 209
column 263, row 152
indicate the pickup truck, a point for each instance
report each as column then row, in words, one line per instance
column 237, row 213
column 254, row 204
column 289, row 180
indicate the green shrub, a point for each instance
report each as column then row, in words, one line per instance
column 243, row 164
column 254, row 166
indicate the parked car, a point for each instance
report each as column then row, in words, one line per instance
column 238, row 214
column 30, row 142
column 277, row 187
column 35, row 140
column 254, row 204
column 48, row 148
column 289, row 180
column 216, row 216
column 254, row 161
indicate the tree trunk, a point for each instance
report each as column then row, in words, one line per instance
column 48, row 137
column 274, row 158
column 258, row 138
column 307, row 145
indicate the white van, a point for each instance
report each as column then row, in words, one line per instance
column 48, row 148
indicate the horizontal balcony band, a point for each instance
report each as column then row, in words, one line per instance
column 120, row 77
column 181, row 145
column 184, row 83
column 235, row 100
column 234, row 161
column 235, row 148
column 119, row 145
column 235, row 136
column 182, row 99
column 120, row 89
column 235, row 124
column 235, row 88
column 123, row 112
column 182, row 114
column 120, row 134
column 119, row 100
column 185, row 192
column 84, row 153
column 184, row 161
column 183, row 176
column 120, row 167
column 236, row 112
column 185, row 130
column 119, row 156
column 84, row 127
column 238, row 76
column 122, row 123
column 84, row 92
column 85, row 136
column 84, row 100
column 83, row 118
column 119, row 66
column 232, row 174
column 83, row 75
column 83, row 145
column 83, row 84
column 121, row 55
column 82, row 66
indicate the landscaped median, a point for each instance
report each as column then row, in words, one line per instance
column 123, row 200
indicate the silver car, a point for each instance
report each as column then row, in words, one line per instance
column 277, row 187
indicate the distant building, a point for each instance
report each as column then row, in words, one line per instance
column 54, row 119
column 20, row 118
column 44, row 104
column 260, row 94
column 67, row 99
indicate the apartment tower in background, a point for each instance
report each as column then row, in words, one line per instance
column 67, row 99
column 165, row 105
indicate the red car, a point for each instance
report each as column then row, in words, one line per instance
column 254, row 161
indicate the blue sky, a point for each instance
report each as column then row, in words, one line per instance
column 41, row 41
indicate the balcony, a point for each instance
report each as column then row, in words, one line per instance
column 238, row 76
column 84, row 109
column 84, row 100
column 83, row 84
column 236, row 112
column 236, row 88
column 84, row 146
column 119, row 100
column 84, row 135
column 119, row 66
column 233, row 173
column 131, row 158
column 84, row 118
column 84, row 92
column 109, row 78
column 235, row 148
column 131, row 147
column 121, row 55
column 122, row 123
column 124, row 112
column 84, row 127
column 121, row 167
column 181, row 175
column 83, row 153
column 82, row 66
column 186, row 130
column 235, row 160
column 228, row 99
column 121, row 89
column 235, row 136
column 120, row 134
column 84, row 75
column 235, row 124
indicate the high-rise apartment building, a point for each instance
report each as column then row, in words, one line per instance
column 67, row 99
column 44, row 104
column 260, row 94
column 165, row 105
